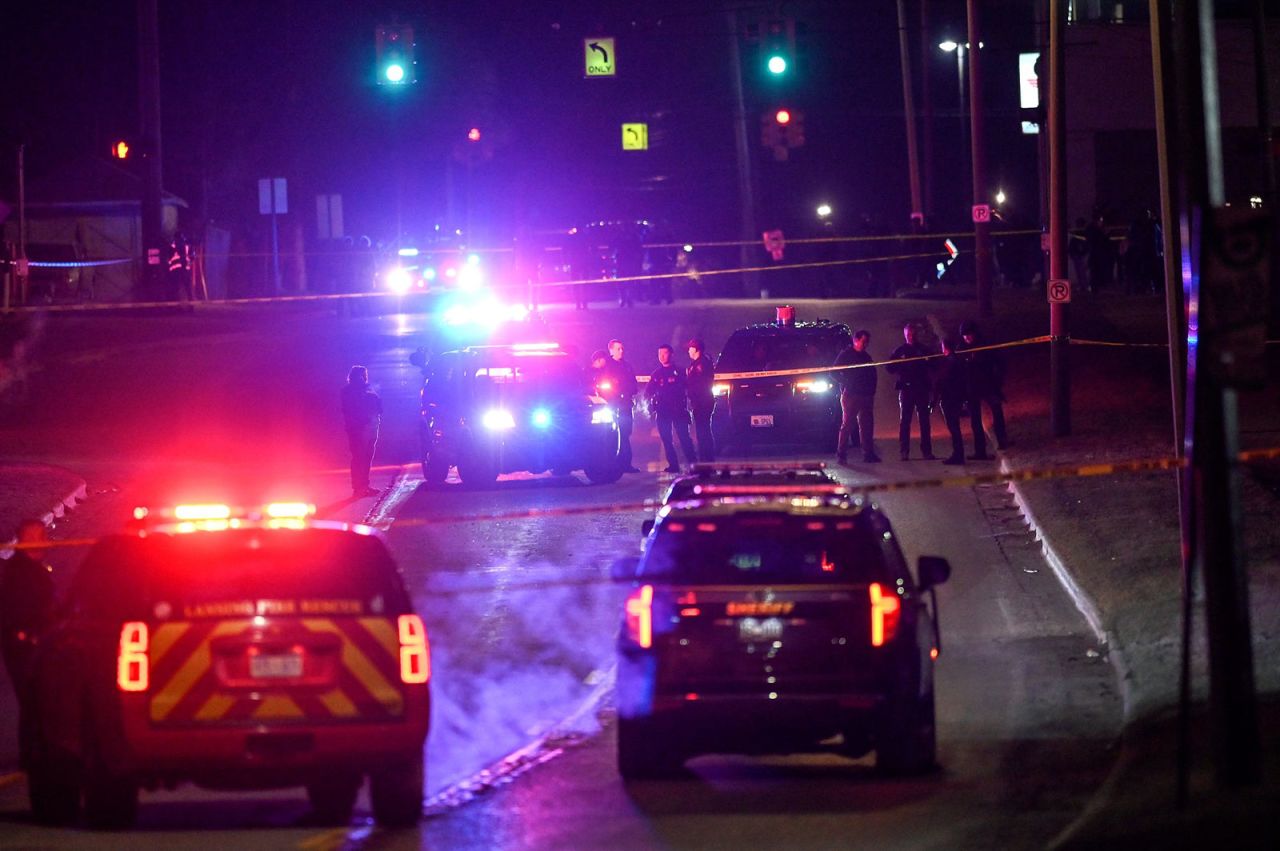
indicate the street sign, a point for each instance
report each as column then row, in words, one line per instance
column 598, row 57
column 153, row 256
column 635, row 137
column 329, row 216
column 981, row 212
column 273, row 195
column 1058, row 291
column 774, row 243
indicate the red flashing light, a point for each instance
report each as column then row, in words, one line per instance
column 473, row 135
column 639, row 614
column 415, row 652
column 885, row 608
column 133, row 668
column 782, row 117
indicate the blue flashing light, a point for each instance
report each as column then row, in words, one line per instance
column 473, row 259
column 541, row 418
column 429, row 273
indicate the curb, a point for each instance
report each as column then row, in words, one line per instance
column 78, row 493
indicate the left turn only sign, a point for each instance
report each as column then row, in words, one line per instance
column 598, row 57
column 635, row 137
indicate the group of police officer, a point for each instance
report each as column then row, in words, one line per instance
column 967, row 376
column 676, row 398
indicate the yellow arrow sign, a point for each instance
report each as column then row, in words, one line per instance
column 635, row 137
column 598, row 57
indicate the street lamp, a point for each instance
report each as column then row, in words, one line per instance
column 1000, row 197
column 824, row 211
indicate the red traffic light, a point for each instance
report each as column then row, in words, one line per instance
column 120, row 150
column 473, row 135
column 782, row 116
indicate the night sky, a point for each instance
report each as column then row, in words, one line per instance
column 286, row 88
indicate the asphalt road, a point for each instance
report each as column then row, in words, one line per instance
column 522, row 616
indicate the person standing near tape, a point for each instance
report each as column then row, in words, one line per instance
column 952, row 392
column 361, row 412
column 857, row 400
column 26, row 605
column 669, row 406
column 985, row 374
column 180, row 266
column 915, row 389
column 623, row 387
column 700, row 377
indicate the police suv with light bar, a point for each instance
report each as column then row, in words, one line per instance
column 774, row 624
column 237, row 650
column 488, row 410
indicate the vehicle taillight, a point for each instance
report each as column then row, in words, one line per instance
column 133, row 668
column 639, row 610
column 885, row 608
column 415, row 652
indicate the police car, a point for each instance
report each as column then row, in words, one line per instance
column 489, row 410
column 803, row 406
column 237, row 650
column 776, row 624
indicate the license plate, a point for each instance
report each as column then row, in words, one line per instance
column 762, row 420
column 759, row 629
column 275, row 667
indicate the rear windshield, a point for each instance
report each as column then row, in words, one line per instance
column 764, row 548
column 234, row 573
column 747, row 352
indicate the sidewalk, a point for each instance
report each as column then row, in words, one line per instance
column 1118, row 539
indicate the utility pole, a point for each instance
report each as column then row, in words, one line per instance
column 1226, row 298
column 909, row 110
column 981, row 229
column 22, row 273
column 926, row 107
column 152, row 179
column 1175, row 320
column 746, row 199
column 1059, row 331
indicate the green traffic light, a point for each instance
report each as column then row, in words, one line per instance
column 394, row 72
column 777, row 64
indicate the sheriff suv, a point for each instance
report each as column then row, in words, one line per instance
column 776, row 624
column 803, row 405
column 236, row 650
column 489, row 410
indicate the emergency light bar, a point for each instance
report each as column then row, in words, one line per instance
column 703, row 468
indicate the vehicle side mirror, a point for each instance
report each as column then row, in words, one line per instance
column 419, row 358
column 933, row 570
column 624, row 569
column 646, row 527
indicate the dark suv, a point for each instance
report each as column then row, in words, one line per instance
column 524, row 407
column 236, row 651
column 772, row 625
column 801, row 406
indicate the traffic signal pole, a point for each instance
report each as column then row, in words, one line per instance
column 909, row 110
column 149, row 110
column 981, row 229
column 746, row 199
column 1059, row 332
column 1212, row 427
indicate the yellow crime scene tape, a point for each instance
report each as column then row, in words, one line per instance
column 1061, row 471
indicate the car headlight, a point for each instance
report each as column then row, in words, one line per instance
column 498, row 420
column 719, row 389
column 813, row 385
column 399, row 280
column 602, row 415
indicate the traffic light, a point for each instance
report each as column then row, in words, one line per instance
column 120, row 150
column 782, row 129
column 396, row 65
column 778, row 46
column 473, row 135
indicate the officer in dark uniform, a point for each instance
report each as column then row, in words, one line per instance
column 669, row 406
column 985, row 373
column 621, row 393
column 952, row 391
column 598, row 373
column 26, row 604
column 857, row 400
column 915, row 389
column 700, row 376
column 361, row 412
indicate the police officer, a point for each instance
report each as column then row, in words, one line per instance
column 669, row 406
column 180, row 265
column 985, row 373
column 952, row 391
column 621, row 393
column 26, row 603
column 857, row 399
column 361, row 412
column 915, row 388
column 700, row 376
